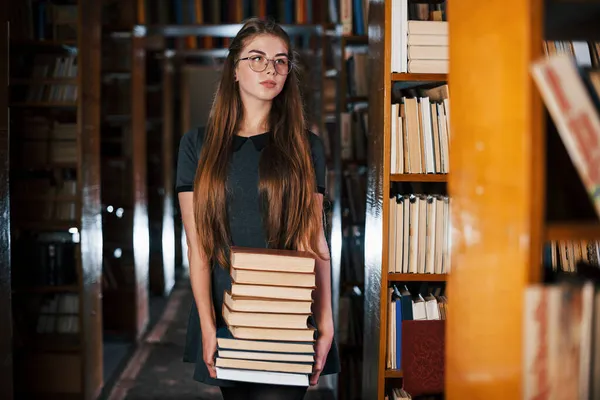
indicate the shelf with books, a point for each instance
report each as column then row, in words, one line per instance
column 407, row 186
column 419, row 177
column 55, row 254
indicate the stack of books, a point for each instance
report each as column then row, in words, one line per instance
column 268, row 338
column 428, row 47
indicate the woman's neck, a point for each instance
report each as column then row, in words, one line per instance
column 256, row 117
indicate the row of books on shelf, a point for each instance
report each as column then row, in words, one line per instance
column 405, row 306
column 354, row 133
column 571, row 93
column 357, row 76
column 565, row 255
column 44, row 188
column 419, row 234
column 354, row 15
column 40, row 20
column 586, row 54
column 419, row 38
column 44, row 259
column 58, row 313
column 420, row 133
column 561, row 333
column 39, row 127
column 268, row 337
column 42, row 152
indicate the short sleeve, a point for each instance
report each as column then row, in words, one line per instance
column 187, row 160
column 319, row 162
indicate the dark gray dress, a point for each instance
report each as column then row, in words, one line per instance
column 245, row 223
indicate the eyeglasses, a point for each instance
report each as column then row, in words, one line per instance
column 282, row 65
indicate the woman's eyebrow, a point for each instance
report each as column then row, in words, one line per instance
column 264, row 54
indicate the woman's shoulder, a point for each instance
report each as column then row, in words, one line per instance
column 316, row 144
column 193, row 139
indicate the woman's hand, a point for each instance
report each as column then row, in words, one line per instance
column 209, row 350
column 322, row 347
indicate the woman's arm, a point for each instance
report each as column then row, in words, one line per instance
column 200, row 280
column 322, row 303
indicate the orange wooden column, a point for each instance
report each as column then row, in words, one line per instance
column 496, row 191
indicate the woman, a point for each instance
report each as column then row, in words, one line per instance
column 255, row 177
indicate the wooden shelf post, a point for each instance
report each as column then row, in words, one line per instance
column 496, row 192
column 89, row 43
column 6, row 375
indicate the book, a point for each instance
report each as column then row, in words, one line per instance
column 272, row 260
column 273, row 278
column 265, row 320
column 257, row 304
column 575, row 116
column 266, row 377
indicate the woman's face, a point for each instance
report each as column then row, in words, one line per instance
column 262, row 85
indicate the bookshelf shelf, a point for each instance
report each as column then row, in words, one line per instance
column 356, row 39
column 42, row 81
column 417, row 277
column 408, row 77
column 47, row 289
column 55, row 104
column 419, row 177
column 393, row 373
column 43, row 43
column 589, row 230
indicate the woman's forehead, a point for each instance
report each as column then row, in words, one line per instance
column 268, row 44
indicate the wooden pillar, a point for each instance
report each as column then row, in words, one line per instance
column 141, row 237
column 495, row 189
column 6, row 359
column 89, row 44
column 168, row 224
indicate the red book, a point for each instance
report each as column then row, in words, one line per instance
column 423, row 356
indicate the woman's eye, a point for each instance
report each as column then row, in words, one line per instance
column 257, row 58
column 281, row 61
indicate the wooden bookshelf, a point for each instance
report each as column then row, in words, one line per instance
column 6, row 350
column 377, row 379
column 513, row 194
column 124, row 175
column 572, row 231
column 393, row 373
column 411, row 77
column 419, row 177
column 61, row 361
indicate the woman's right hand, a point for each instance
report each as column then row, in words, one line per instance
column 209, row 351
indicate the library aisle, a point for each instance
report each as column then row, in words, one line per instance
column 156, row 370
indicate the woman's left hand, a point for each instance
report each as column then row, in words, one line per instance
column 322, row 346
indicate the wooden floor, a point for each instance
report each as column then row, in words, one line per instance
column 156, row 369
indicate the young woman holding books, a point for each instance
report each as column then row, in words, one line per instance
column 253, row 177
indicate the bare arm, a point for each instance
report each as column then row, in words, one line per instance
column 199, row 268
column 322, row 304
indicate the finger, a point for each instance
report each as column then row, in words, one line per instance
column 314, row 378
column 211, row 370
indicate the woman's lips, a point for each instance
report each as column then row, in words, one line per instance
column 269, row 84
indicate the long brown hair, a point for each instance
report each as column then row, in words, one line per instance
column 286, row 175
